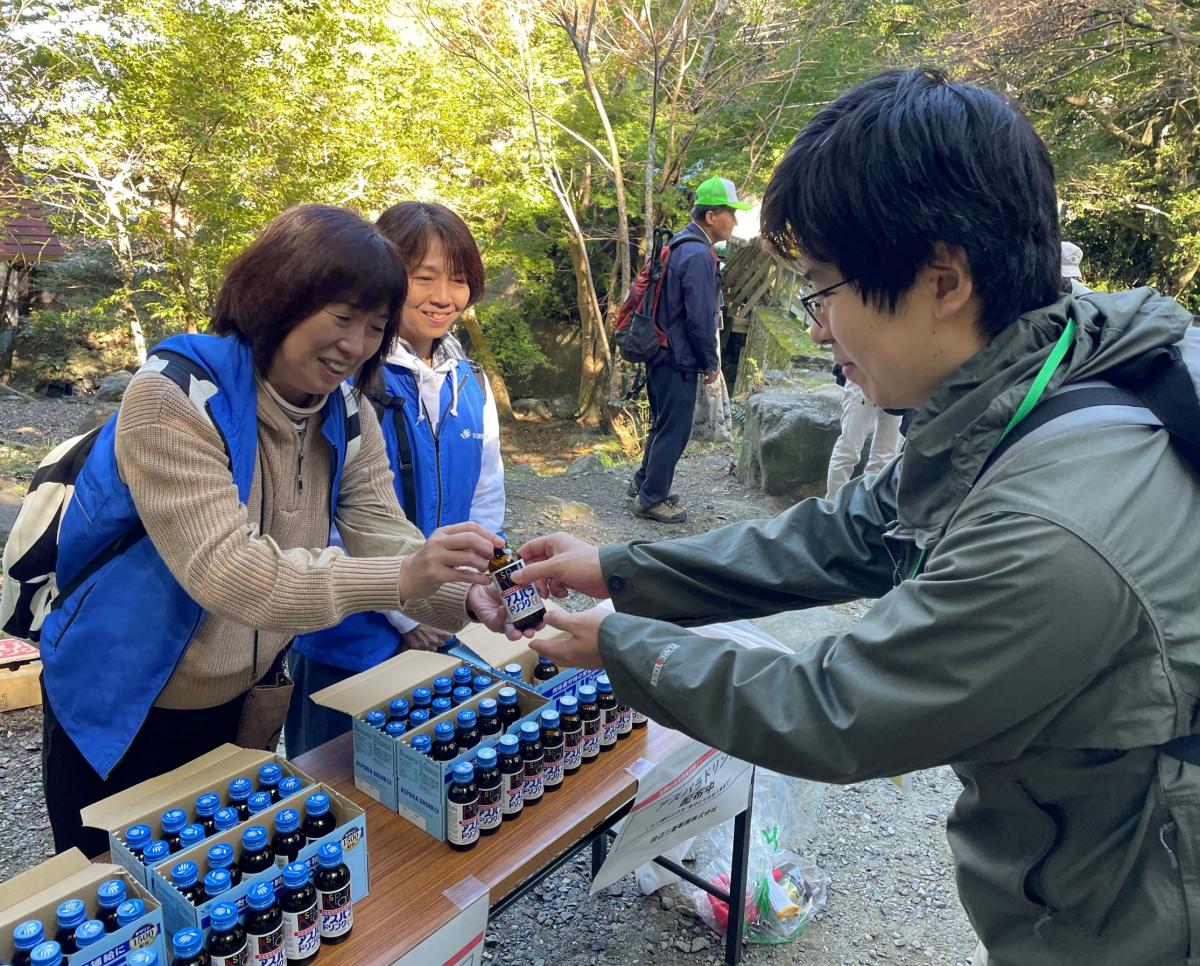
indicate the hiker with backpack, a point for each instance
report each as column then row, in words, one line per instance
column 195, row 544
column 442, row 435
column 685, row 312
column 1033, row 547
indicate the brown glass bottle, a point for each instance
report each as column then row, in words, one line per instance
column 523, row 603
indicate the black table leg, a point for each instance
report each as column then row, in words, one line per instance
column 599, row 853
column 739, row 870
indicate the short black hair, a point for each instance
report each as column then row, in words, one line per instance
column 411, row 224
column 699, row 211
column 308, row 257
column 907, row 159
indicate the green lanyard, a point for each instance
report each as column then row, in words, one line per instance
column 1032, row 398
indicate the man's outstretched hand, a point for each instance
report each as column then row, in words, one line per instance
column 582, row 647
column 559, row 563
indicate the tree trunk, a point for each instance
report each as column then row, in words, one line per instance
column 593, row 337
column 481, row 349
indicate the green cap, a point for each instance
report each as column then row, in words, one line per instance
column 720, row 191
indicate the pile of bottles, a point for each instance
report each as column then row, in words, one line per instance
column 311, row 910
column 210, row 816
column 74, row 929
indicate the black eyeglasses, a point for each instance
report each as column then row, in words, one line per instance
column 811, row 301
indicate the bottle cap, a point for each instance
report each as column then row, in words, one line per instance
column 155, row 851
column 509, row 745
column 586, row 693
column 418, row 717
column 441, row 704
column 507, row 695
column 462, row 675
column 422, row 744
column 216, row 882
column 542, row 659
column 462, row 694
column 223, row 916
column 269, row 775
column 111, row 893
column 142, row 957
column 287, row 821
column 187, row 942
column 136, row 836
column 422, row 696
column 376, row 718
column 289, row 786
column 261, row 896
column 466, row 718
column 295, row 875
column 603, row 684
column 486, row 758
column 70, row 913
column 530, row 731
column 329, row 855
column 316, row 804
column 442, row 685
column 46, row 954
column 464, row 773
column 550, row 718
column 258, row 802
column 482, row 682
column 240, row 789
column 190, row 835
column 225, row 818
column 254, row 839
column 173, row 819
column 398, row 707
column 131, row 910
column 88, row 932
column 487, row 707
column 568, row 704
column 207, row 804
column 444, row 731
column 513, row 671
column 396, row 728
column 220, row 856
column 184, row 874
column 28, row 934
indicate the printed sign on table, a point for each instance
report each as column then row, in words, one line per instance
column 458, row 943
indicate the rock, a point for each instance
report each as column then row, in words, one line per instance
column 591, row 463
column 788, row 438
column 699, row 943
column 666, row 903
column 532, row 409
column 96, row 416
column 573, row 512
column 683, row 944
column 563, row 407
column 113, row 386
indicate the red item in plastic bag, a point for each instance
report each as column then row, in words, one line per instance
column 720, row 910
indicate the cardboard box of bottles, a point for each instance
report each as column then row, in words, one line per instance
column 35, row 894
column 491, row 652
column 387, row 768
column 213, row 772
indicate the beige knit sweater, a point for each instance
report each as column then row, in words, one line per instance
column 264, row 569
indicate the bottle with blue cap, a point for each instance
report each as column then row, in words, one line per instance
column 268, row 779
column 130, row 911
column 264, row 923
column 224, row 819
column 462, row 676
column 256, row 851
column 461, row 695
column 216, row 881
column 489, row 721
column 301, row 921
column 512, row 777
column 173, row 820
column 206, row 807
column 136, row 839
column 509, row 710
column 376, row 718
column 395, row 729
column 442, row 687
column 441, row 705
column 155, row 852
column 606, row 701
column 227, row 945
column 572, row 729
column 421, row 698
column 88, row 933
column 187, row 946
column 288, row 840
column 239, row 797
column 220, row 856
column 26, row 937
column 421, row 744
column 589, row 714
column 545, row 669
column 333, row 894
column 191, row 834
column 69, row 915
column 481, row 682
column 466, row 732
column 110, row 894
column 523, row 603
column 444, row 747
column 513, row 671
column 462, row 808
column 487, row 778
column 185, row 876
column 398, row 709
column 318, row 820
column 48, row 953
column 259, row 802
column 553, row 747
column 417, row 717
column 142, row 957
column 289, row 785
column 532, row 757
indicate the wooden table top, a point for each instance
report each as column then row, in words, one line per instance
column 410, row 871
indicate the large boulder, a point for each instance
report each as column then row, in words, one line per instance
column 96, row 416
column 532, row 409
column 788, row 438
column 113, row 386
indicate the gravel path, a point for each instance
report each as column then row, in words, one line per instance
column 892, row 897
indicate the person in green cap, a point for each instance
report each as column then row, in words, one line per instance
column 687, row 311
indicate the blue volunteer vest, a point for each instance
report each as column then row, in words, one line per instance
column 445, row 471
column 110, row 644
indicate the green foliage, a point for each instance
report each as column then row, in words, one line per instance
column 511, row 340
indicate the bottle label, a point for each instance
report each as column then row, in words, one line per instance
column 590, row 747
column 267, row 950
column 462, row 822
column 513, row 792
column 624, row 719
column 281, row 861
column 489, row 806
column 519, row 601
column 572, row 748
column 608, row 727
column 240, row 958
column 639, row 718
column 337, row 915
column 533, row 780
column 552, row 766
column 302, row 932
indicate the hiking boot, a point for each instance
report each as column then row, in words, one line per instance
column 664, row 512
column 632, row 491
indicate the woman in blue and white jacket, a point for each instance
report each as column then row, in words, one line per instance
column 439, row 421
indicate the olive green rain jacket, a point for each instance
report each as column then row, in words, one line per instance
column 1049, row 642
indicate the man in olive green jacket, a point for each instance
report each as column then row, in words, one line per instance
column 1038, row 626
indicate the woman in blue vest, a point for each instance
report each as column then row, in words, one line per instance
column 439, row 422
column 196, row 543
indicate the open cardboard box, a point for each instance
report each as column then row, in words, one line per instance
column 387, row 768
column 20, row 674
column 35, row 894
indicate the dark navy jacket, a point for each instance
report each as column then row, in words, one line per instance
column 687, row 308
